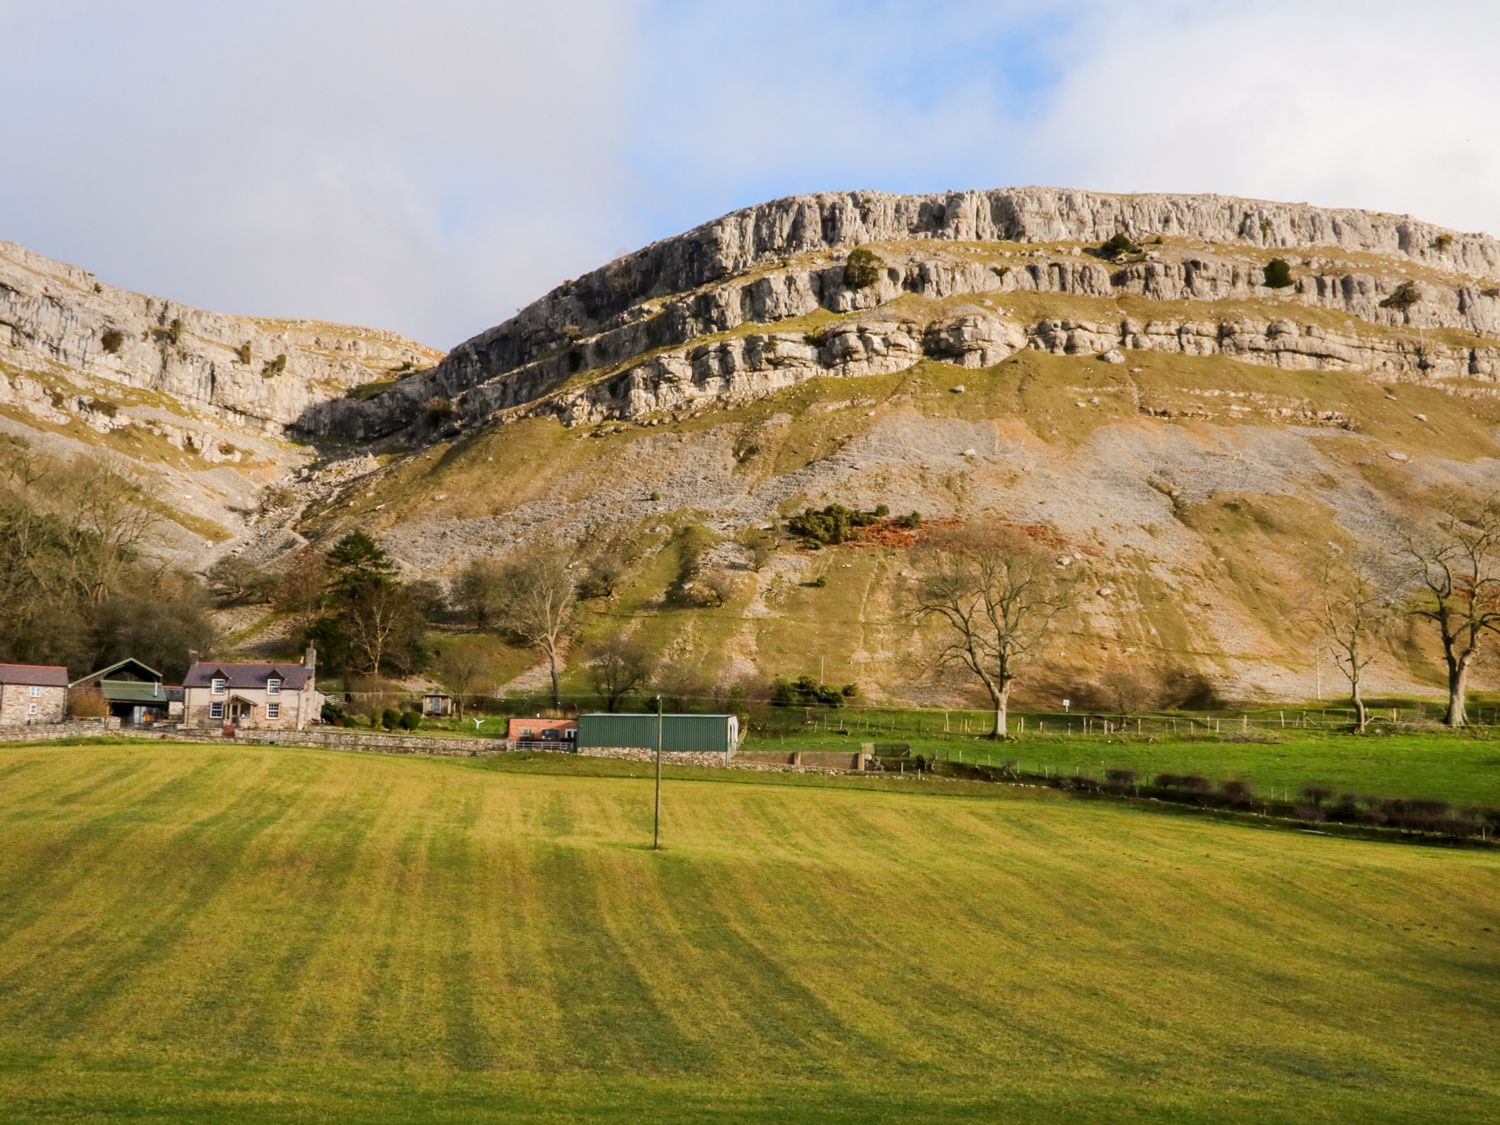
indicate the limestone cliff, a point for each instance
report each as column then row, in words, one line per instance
column 784, row 260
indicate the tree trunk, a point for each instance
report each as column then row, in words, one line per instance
column 552, row 667
column 1002, row 706
column 1458, row 680
column 1361, row 712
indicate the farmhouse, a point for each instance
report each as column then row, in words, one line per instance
column 718, row 734
column 252, row 696
column 562, row 731
column 133, row 692
column 32, row 693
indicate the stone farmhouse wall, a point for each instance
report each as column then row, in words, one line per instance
column 298, row 708
column 17, row 700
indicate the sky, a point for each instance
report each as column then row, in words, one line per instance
column 430, row 167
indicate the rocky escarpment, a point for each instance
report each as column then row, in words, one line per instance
column 62, row 328
column 785, row 259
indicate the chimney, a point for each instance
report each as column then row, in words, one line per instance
column 310, row 659
column 192, row 657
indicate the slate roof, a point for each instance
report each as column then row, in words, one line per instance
column 245, row 677
column 34, row 675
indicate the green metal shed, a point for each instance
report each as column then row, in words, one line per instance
column 717, row 734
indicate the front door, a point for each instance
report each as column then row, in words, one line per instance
column 239, row 711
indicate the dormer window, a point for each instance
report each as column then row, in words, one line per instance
column 219, row 684
column 273, row 686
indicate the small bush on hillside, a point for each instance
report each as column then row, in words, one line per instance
column 1118, row 246
column 804, row 691
column 112, row 340
column 1403, row 298
column 832, row 524
column 171, row 334
column 242, row 353
column 1490, row 293
column 273, row 367
column 911, row 521
column 1278, row 274
column 862, row 268
column 1442, row 242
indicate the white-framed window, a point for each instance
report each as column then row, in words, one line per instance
column 273, row 710
column 216, row 710
column 35, row 692
column 31, row 709
column 219, row 684
column 273, row 686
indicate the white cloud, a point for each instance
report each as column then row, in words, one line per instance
column 342, row 159
column 1386, row 106
column 431, row 168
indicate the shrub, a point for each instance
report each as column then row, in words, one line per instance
column 1194, row 783
column 410, row 720
column 862, row 268
column 1120, row 778
column 1403, row 298
column 1002, row 272
column 273, row 367
column 1316, row 794
column 1236, row 792
column 1118, row 246
column 804, row 691
column 112, row 340
column 1168, row 780
column 333, row 714
column 103, row 406
column 1278, row 273
column 911, row 521
column 87, row 703
column 1442, row 242
column 1490, row 293
column 812, row 339
column 390, row 718
column 171, row 334
column 242, row 353
column 1265, row 227
column 655, row 495
column 882, row 510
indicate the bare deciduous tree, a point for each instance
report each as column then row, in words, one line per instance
column 997, row 595
column 1355, row 611
column 536, row 605
column 466, row 671
column 1456, row 586
column 478, row 590
column 618, row 666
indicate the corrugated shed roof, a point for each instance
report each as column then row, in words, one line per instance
column 246, row 677
column 34, row 675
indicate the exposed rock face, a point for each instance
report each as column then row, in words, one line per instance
column 58, row 319
column 739, row 269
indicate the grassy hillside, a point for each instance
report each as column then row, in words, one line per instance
column 246, row 934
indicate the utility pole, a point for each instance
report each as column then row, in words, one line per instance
column 656, row 827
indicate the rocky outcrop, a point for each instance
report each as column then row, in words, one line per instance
column 64, row 327
column 753, row 267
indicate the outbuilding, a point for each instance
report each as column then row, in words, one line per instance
column 712, row 734
column 133, row 692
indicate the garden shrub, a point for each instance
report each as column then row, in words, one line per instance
column 112, row 340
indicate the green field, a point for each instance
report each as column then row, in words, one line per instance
column 238, row 934
column 1461, row 768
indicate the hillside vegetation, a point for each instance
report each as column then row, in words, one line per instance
column 277, row 935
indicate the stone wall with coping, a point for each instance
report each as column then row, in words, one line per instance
column 74, row 728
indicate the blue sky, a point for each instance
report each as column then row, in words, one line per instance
column 430, row 168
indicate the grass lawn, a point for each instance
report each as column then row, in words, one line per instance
column 250, row 934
